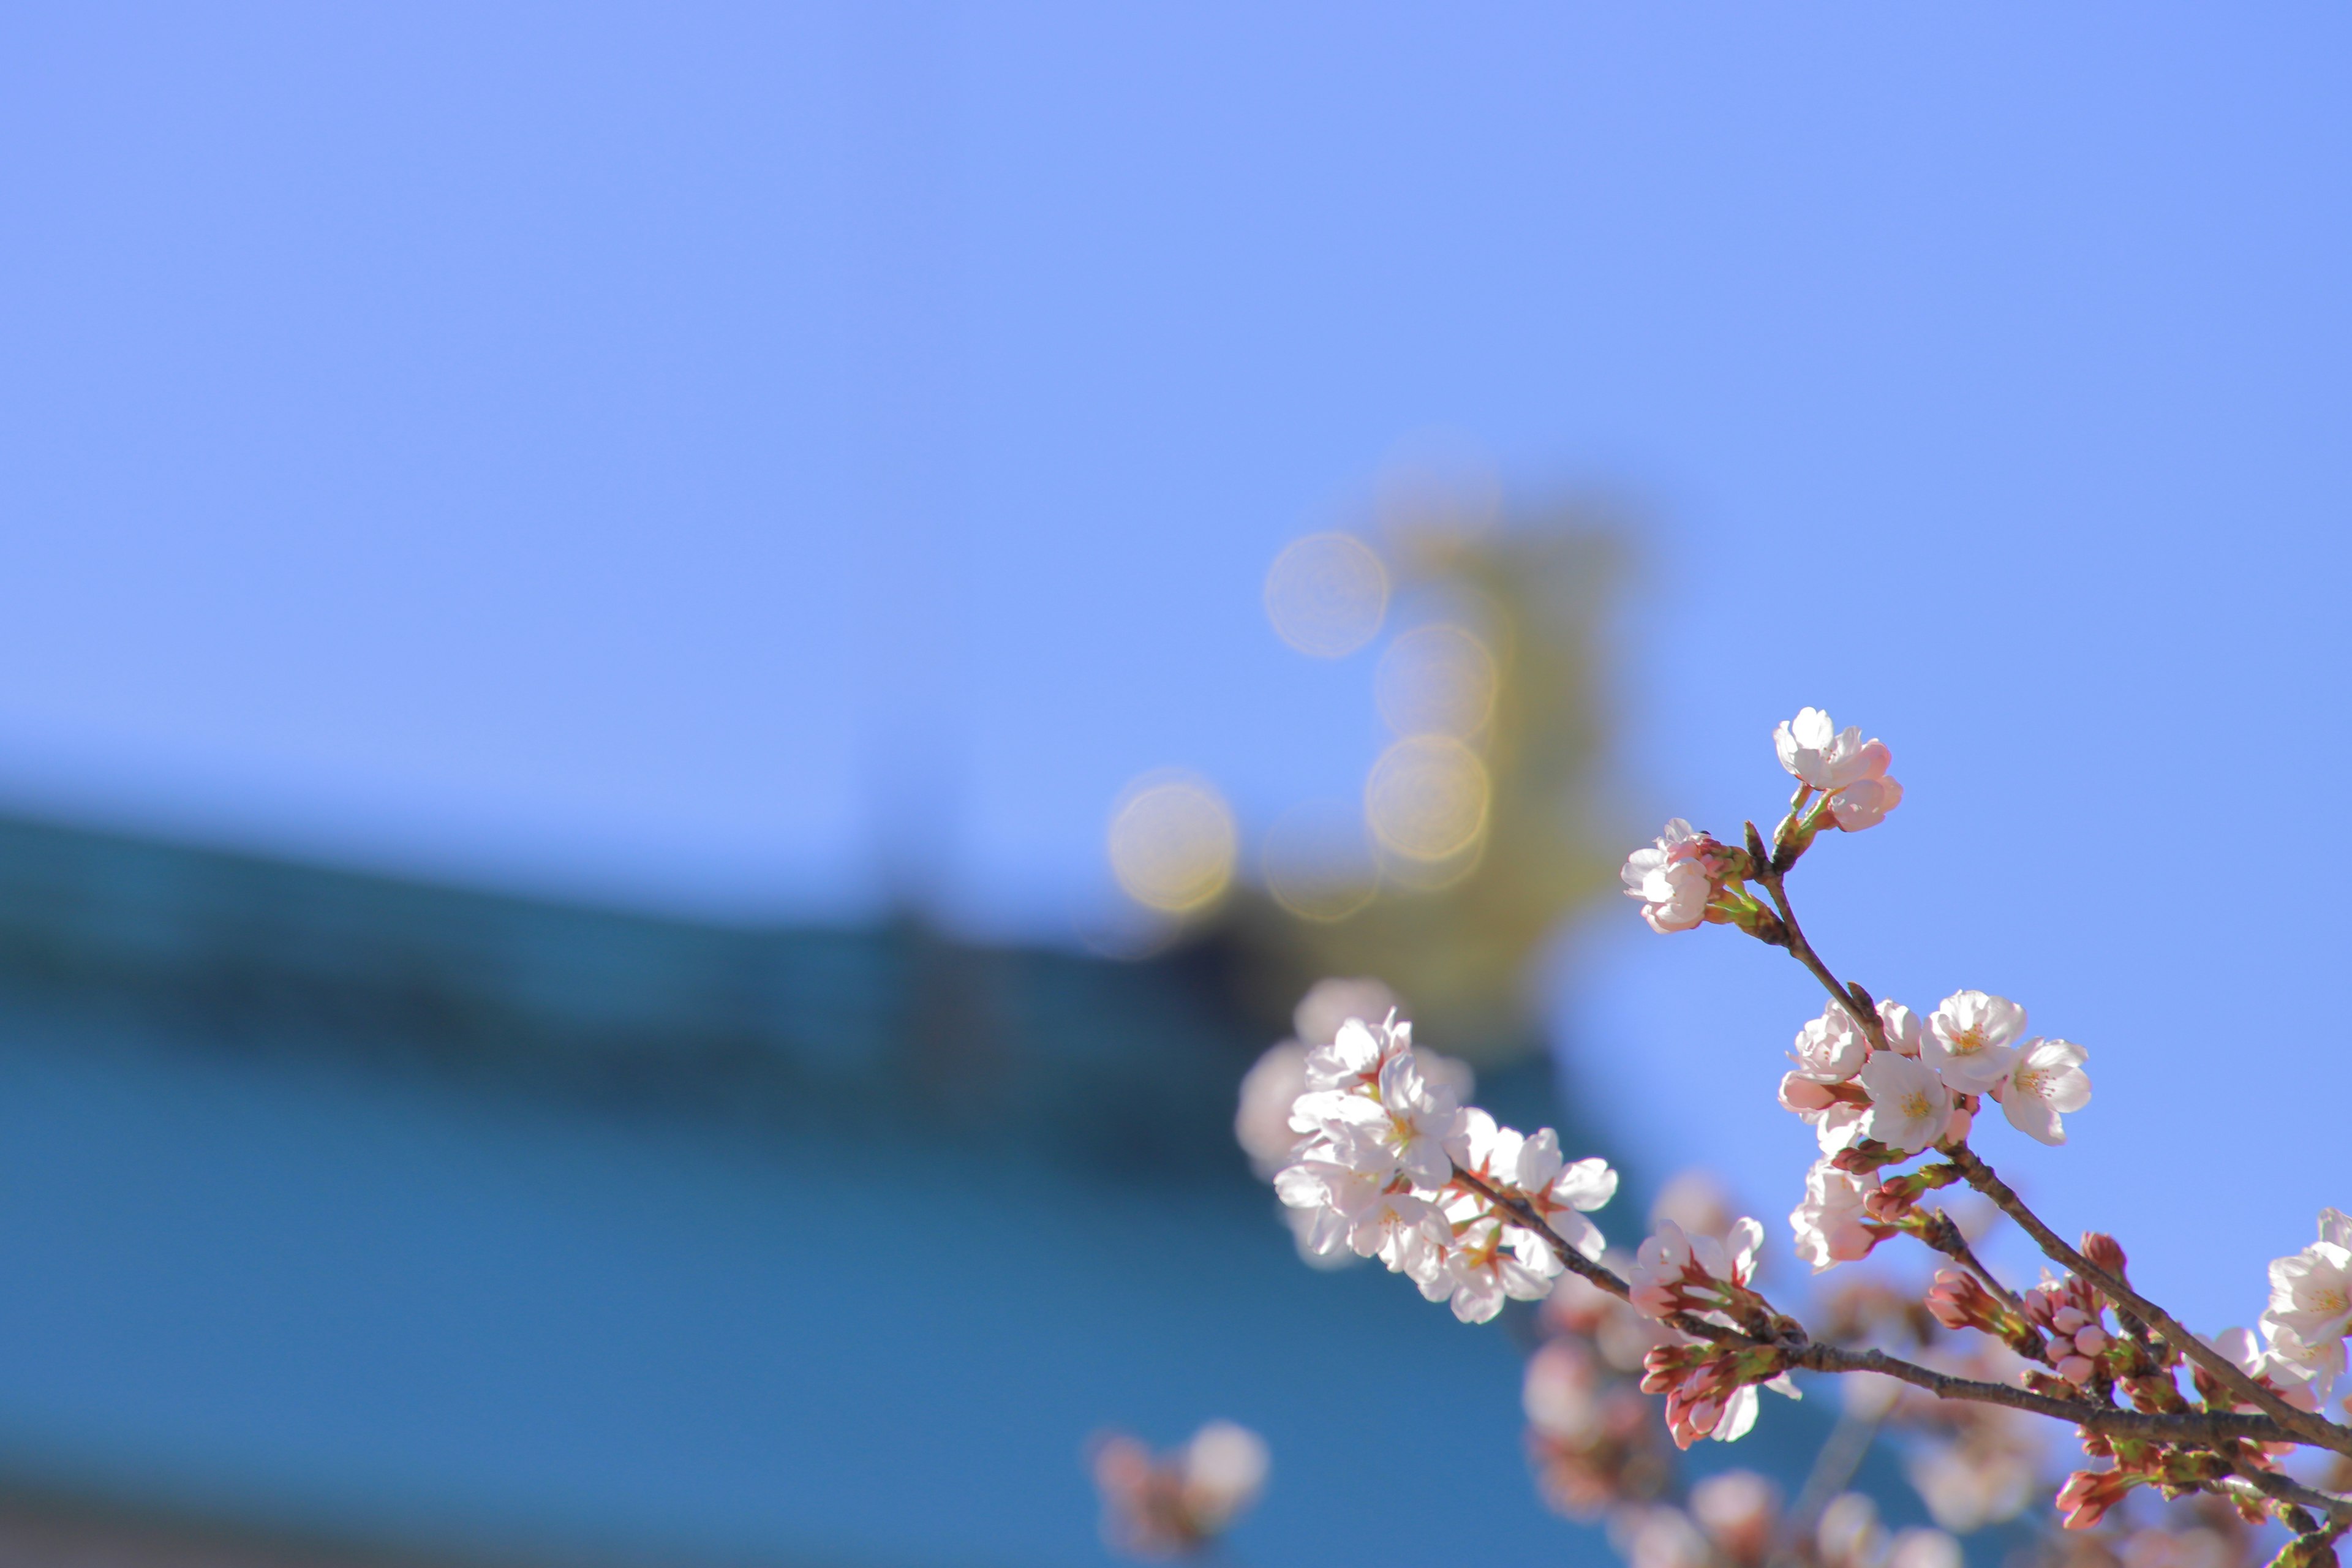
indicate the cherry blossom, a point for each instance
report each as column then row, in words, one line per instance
column 1675, row 1272
column 1902, row 1028
column 1830, row 1225
column 1828, row 758
column 1850, row 771
column 1669, row 879
column 1969, row 1040
column 2311, row 1302
column 1491, row 1262
column 1865, row 803
column 1909, row 1106
column 2046, row 1079
column 1830, row 1049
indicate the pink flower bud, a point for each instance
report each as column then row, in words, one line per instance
column 2103, row 1252
column 2066, row 1319
column 2076, row 1369
column 2090, row 1341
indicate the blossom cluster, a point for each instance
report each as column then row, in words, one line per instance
column 1377, row 1155
column 1389, row 1165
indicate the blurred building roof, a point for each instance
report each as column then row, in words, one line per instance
column 459, row 1227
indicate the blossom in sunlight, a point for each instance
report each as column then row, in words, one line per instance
column 1902, row 1028
column 1970, row 1040
column 1166, row 1505
column 2311, row 1302
column 1909, row 1106
column 1842, row 765
column 2046, row 1077
column 1830, row 1225
column 2297, row 1384
column 1675, row 1272
column 1491, row 1262
column 1865, row 803
column 1830, row 1049
column 1669, row 878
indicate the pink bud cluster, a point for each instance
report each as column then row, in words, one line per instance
column 1711, row 1393
column 2071, row 1313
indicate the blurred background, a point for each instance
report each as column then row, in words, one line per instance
column 681, row 687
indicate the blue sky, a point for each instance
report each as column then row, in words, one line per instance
column 742, row 460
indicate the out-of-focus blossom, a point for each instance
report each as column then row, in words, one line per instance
column 1970, row 1040
column 1831, row 1047
column 1168, row 1505
column 1849, row 1534
column 1695, row 1200
column 2311, row 1302
column 1261, row 1122
column 1986, row 1473
column 1737, row 1508
column 1830, row 1225
column 1669, row 879
column 1923, row 1548
column 1330, row 1003
column 1909, row 1106
column 1660, row 1537
column 2046, row 1079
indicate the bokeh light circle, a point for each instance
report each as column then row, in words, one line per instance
column 1173, row 842
column 1327, row 595
column 1436, row 681
column 1426, row 797
column 1318, row 860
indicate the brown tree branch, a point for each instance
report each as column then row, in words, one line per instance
column 2304, row 1426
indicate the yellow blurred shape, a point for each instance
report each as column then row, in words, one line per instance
column 1327, row 595
column 1436, row 681
column 1426, row 797
column 1173, row 842
column 1318, row 860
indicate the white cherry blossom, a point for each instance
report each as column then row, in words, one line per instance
column 2046, row 1079
column 1865, row 803
column 1902, row 1027
column 1575, row 1192
column 1667, row 877
column 1909, row 1106
column 1830, row 1049
column 1491, row 1262
column 1829, row 759
column 2311, row 1302
column 1829, row 1224
column 1970, row 1040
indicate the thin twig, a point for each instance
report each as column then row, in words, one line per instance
column 2305, row 1426
column 2193, row 1428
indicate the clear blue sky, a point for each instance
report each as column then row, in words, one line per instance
column 721, row 458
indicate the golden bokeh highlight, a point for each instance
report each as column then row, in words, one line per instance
column 1318, row 860
column 1173, row 842
column 1327, row 595
column 1427, row 797
column 1436, row 681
